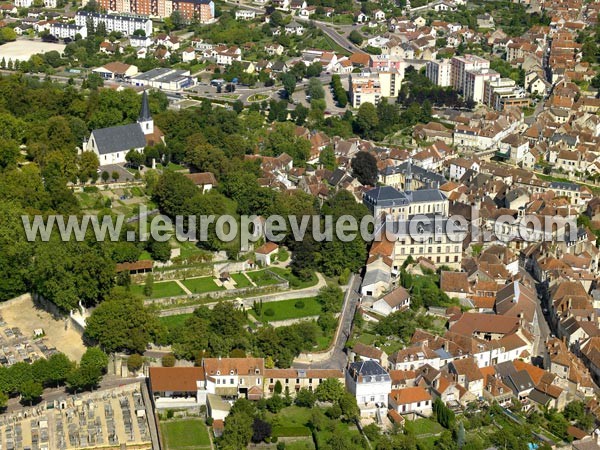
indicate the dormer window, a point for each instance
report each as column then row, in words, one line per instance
column 218, row 372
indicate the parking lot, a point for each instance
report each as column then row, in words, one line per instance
column 109, row 419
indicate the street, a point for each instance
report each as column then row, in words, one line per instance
column 338, row 359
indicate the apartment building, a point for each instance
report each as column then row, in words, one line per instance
column 372, row 86
column 461, row 65
column 125, row 24
column 439, row 72
column 292, row 380
column 500, row 93
column 202, row 11
column 67, row 30
column 475, row 79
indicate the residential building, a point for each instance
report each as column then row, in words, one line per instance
column 439, row 72
column 461, row 65
column 67, row 30
column 202, row 11
column 411, row 400
column 371, row 87
column 125, row 24
column 177, row 387
column 474, row 84
column 370, row 384
column 234, row 377
column 245, row 14
column 392, row 302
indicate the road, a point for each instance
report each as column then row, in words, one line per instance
column 339, row 359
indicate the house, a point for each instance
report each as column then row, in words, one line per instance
column 112, row 144
column 217, row 408
column 204, row 180
column 177, row 387
column 265, row 253
column 116, row 71
column 294, row 28
column 370, row 384
column 411, row 400
column 361, row 17
column 396, row 300
column 245, row 14
column 467, row 374
column 378, row 15
column 274, row 49
column 362, row 352
column 189, row 54
column 455, row 284
column 233, row 378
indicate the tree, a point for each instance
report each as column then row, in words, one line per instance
column 261, row 430
column 135, row 362
column 238, row 430
column 305, row 398
column 327, row 158
column 135, row 158
column 88, row 166
column 315, row 90
column 349, row 407
column 105, row 176
column 172, row 191
column 330, row 390
column 364, row 167
column 3, row 400
column 314, row 70
column 149, row 285
column 58, row 368
column 168, row 360
column 160, row 251
column 177, row 20
column 289, row 84
column 7, row 34
column 278, row 389
column 355, row 37
column 31, row 391
column 366, row 120
column 114, row 175
column 123, row 324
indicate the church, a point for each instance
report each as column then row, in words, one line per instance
column 113, row 143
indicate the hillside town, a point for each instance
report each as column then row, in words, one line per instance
column 462, row 135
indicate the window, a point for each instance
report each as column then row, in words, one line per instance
column 231, row 381
column 418, row 404
column 372, row 398
column 297, row 380
column 241, row 381
column 257, row 380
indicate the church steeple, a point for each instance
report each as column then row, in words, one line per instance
column 145, row 118
column 408, row 176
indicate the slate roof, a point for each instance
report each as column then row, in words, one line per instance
column 368, row 371
column 119, row 138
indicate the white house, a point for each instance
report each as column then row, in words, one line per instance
column 245, row 14
column 396, row 300
column 370, row 384
column 189, row 54
column 459, row 166
column 177, row 387
column 379, row 15
column 411, row 400
column 265, row 253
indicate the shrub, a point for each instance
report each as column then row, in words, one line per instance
column 209, row 421
column 135, row 362
column 170, row 413
column 269, row 312
column 168, row 360
column 299, row 304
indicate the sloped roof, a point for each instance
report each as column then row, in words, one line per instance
column 175, row 379
column 119, row 138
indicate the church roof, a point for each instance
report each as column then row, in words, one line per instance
column 119, row 138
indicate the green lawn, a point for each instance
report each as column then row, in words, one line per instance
column 201, row 285
column 185, row 434
column 291, row 421
column 174, row 322
column 295, row 282
column 240, row 280
column 159, row 290
column 424, row 426
column 145, row 256
column 286, row 309
column 305, row 444
column 262, row 278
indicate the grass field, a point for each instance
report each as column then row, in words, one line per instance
column 201, row 285
column 240, row 280
column 174, row 322
column 424, row 426
column 286, row 309
column 162, row 289
column 262, row 278
column 291, row 421
column 185, row 434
